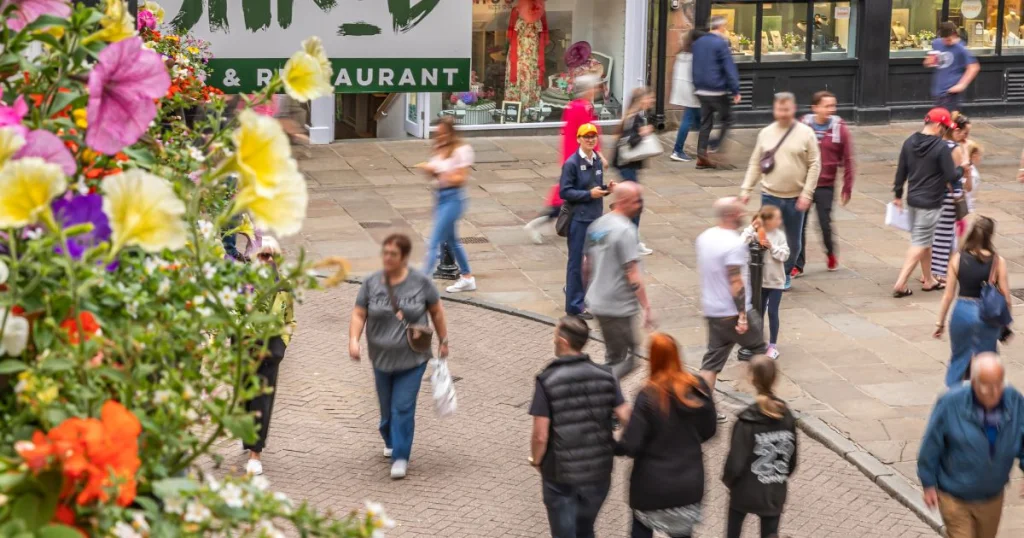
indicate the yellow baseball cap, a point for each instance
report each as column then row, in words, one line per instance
column 586, row 129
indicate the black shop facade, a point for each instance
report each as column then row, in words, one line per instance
column 869, row 53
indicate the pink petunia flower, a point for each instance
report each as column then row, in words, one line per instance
column 30, row 10
column 122, row 88
column 11, row 115
column 146, row 19
column 49, row 147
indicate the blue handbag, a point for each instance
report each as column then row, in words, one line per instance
column 993, row 309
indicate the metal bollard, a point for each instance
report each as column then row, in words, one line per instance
column 447, row 270
column 756, row 275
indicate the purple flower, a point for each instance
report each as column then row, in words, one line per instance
column 74, row 210
column 49, row 147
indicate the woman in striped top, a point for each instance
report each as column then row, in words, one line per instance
column 945, row 232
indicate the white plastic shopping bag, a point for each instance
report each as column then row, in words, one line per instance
column 441, row 381
column 897, row 217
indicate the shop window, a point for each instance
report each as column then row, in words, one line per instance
column 976, row 20
column 784, row 32
column 1013, row 41
column 913, row 26
column 527, row 55
column 833, row 37
column 741, row 21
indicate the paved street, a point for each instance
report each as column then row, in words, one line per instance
column 469, row 476
column 851, row 355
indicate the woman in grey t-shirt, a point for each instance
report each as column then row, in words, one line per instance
column 397, row 369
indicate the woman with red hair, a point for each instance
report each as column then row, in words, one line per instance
column 673, row 415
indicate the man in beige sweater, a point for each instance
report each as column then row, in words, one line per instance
column 790, row 183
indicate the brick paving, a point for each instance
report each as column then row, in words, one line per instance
column 469, row 476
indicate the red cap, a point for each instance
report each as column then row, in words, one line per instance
column 941, row 116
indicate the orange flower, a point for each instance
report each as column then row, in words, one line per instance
column 36, row 452
column 89, row 326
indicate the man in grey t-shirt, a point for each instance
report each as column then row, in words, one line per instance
column 616, row 292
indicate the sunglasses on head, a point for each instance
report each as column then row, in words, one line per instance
column 265, row 255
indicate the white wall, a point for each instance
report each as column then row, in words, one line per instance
column 608, row 35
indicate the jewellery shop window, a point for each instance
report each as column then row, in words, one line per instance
column 833, row 36
column 913, row 27
column 782, row 30
column 526, row 56
column 1013, row 41
column 976, row 20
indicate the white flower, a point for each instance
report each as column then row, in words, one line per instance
column 199, row 300
column 188, row 392
column 232, row 495
column 151, row 264
column 263, row 273
column 267, row 530
column 196, row 513
column 164, row 288
column 209, row 271
column 3, row 499
column 81, row 187
column 124, row 530
column 161, row 396
column 205, row 229
column 4, row 272
column 33, row 233
column 286, row 503
column 15, row 336
column 20, row 387
column 260, row 482
column 174, row 505
column 191, row 415
column 204, row 311
column 132, row 309
column 212, row 483
column 196, row 154
column 139, row 522
column 377, row 516
column 227, row 297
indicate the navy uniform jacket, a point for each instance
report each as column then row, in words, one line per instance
column 578, row 177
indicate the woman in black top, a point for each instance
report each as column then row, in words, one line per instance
column 969, row 270
column 672, row 416
column 635, row 126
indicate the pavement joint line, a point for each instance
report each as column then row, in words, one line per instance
column 881, row 474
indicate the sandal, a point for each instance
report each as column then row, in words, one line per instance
column 906, row 292
column 938, row 286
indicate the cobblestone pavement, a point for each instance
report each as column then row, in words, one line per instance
column 851, row 355
column 469, row 476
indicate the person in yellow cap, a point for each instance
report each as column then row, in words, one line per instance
column 582, row 187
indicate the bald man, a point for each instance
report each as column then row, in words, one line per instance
column 616, row 293
column 975, row 433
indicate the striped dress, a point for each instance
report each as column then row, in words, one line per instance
column 945, row 233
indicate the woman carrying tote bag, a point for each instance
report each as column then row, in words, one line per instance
column 637, row 143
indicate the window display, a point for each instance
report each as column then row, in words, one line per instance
column 1013, row 41
column 913, row 27
column 833, row 35
column 977, row 22
column 784, row 32
column 527, row 54
column 741, row 21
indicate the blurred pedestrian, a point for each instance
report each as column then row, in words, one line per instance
column 926, row 166
column 964, row 463
column 955, row 67
column 723, row 262
column 673, row 415
column 945, row 231
column 683, row 94
column 283, row 308
column 390, row 303
column 617, row 293
column 552, row 207
column 582, row 186
column 786, row 161
column 976, row 153
column 449, row 167
column 762, row 456
column 836, row 145
column 572, row 444
column 977, row 265
column 581, row 112
column 717, row 85
column 634, row 129
column 769, row 220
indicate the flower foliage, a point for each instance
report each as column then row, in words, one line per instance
column 127, row 337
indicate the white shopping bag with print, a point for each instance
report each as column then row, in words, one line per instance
column 897, row 217
column 444, row 388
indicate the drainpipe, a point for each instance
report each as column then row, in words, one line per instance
column 659, row 76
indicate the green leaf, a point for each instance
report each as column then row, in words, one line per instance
column 55, row 530
column 55, row 415
column 63, row 99
column 241, row 426
column 9, row 481
column 25, row 509
column 11, row 366
column 141, row 157
column 46, row 21
column 112, row 374
column 57, row 364
column 49, row 39
column 171, row 487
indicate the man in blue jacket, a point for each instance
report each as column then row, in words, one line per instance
column 974, row 434
column 582, row 186
column 717, row 85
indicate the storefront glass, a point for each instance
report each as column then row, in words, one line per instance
column 784, row 32
column 1013, row 41
column 977, row 22
column 741, row 21
column 913, row 26
column 527, row 54
column 834, row 31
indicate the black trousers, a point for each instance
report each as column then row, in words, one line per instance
column 769, row 525
column 711, row 105
column 263, row 405
column 824, row 197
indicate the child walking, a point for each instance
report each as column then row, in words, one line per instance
column 548, row 214
column 769, row 221
column 762, row 455
column 974, row 152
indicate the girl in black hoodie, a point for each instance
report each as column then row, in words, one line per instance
column 762, row 456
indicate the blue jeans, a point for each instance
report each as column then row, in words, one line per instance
column 631, row 174
column 770, row 300
column 396, row 393
column 574, row 289
column 968, row 336
column 691, row 119
column 572, row 510
column 793, row 221
column 447, row 212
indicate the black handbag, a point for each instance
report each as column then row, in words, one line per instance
column 564, row 220
column 768, row 157
column 960, row 206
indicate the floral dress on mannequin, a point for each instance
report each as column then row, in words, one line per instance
column 527, row 35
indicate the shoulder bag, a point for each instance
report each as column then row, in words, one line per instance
column 993, row 309
column 959, row 204
column 648, row 147
column 564, row 219
column 418, row 336
column 768, row 157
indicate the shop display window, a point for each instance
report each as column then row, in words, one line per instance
column 834, row 31
column 913, row 27
column 1013, row 40
column 977, row 21
column 784, row 32
column 741, row 21
column 527, row 55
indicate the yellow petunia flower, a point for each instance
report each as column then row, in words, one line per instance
column 156, row 9
column 192, row 50
column 117, row 23
column 282, row 211
column 307, row 74
column 144, row 211
column 27, row 186
column 10, row 143
column 79, row 116
column 263, row 156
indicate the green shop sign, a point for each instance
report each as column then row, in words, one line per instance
column 374, row 45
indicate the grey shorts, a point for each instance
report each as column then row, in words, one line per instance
column 722, row 337
column 922, row 225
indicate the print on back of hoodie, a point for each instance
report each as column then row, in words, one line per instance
column 774, row 451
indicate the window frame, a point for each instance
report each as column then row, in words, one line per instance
column 809, row 37
column 1000, row 27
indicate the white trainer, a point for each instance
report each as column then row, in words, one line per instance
column 388, row 452
column 464, row 284
column 533, row 229
column 254, row 468
column 398, row 469
column 644, row 251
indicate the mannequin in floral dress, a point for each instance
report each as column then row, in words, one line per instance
column 527, row 36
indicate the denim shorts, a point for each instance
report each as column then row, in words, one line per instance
column 922, row 225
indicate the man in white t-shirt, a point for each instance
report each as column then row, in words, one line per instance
column 723, row 260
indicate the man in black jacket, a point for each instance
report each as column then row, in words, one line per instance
column 572, row 444
column 926, row 166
